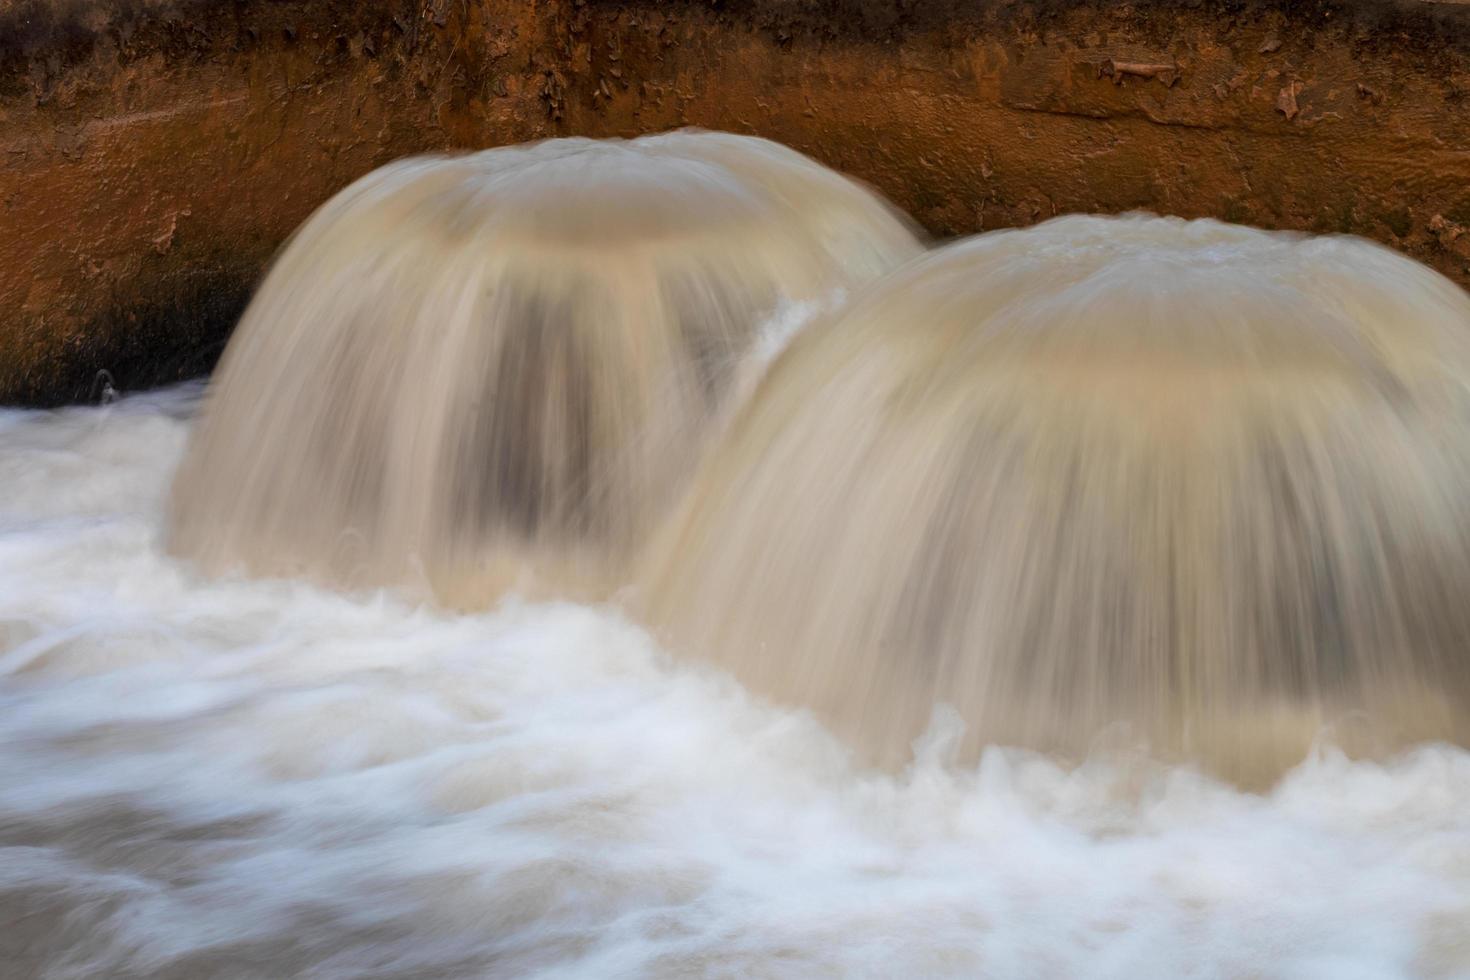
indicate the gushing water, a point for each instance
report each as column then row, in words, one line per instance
column 263, row 779
column 490, row 370
column 1192, row 485
column 1178, row 482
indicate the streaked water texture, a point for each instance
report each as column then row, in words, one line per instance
column 263, row 779
column 1121, row 481
column 492, row 370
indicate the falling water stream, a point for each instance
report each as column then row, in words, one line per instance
column 491, row 370
column 500, row 613
column 260, row 779
column 1192, row 486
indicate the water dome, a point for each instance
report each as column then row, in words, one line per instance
column 493, row 370
column 1187, row 484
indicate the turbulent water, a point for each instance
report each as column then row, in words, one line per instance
column 1140, row 479
column 470, row 372
column 264, row 779
column 1131, row 490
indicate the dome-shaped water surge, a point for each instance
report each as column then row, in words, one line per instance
column 463, row 371
column 1208, row 483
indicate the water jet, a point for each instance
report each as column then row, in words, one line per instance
column 1197, row 481
column 487, row 371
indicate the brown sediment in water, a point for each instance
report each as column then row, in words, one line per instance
column 1188, row 485
column 157, row 152
column 467, row 373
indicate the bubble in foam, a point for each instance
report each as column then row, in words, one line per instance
column 465, row 371
column 1180, row 482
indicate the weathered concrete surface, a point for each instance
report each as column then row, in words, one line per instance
column 1324, row 116
column 154, row 153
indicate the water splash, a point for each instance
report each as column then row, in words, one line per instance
column 104, row 390
column 466, row 371
column 1179, row 483
column 265, row 779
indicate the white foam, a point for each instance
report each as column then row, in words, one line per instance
column 265, row 779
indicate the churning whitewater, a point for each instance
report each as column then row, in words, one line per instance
column 266, row 779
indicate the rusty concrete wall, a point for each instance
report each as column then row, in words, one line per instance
column 156, row 152
column 1330, row 117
